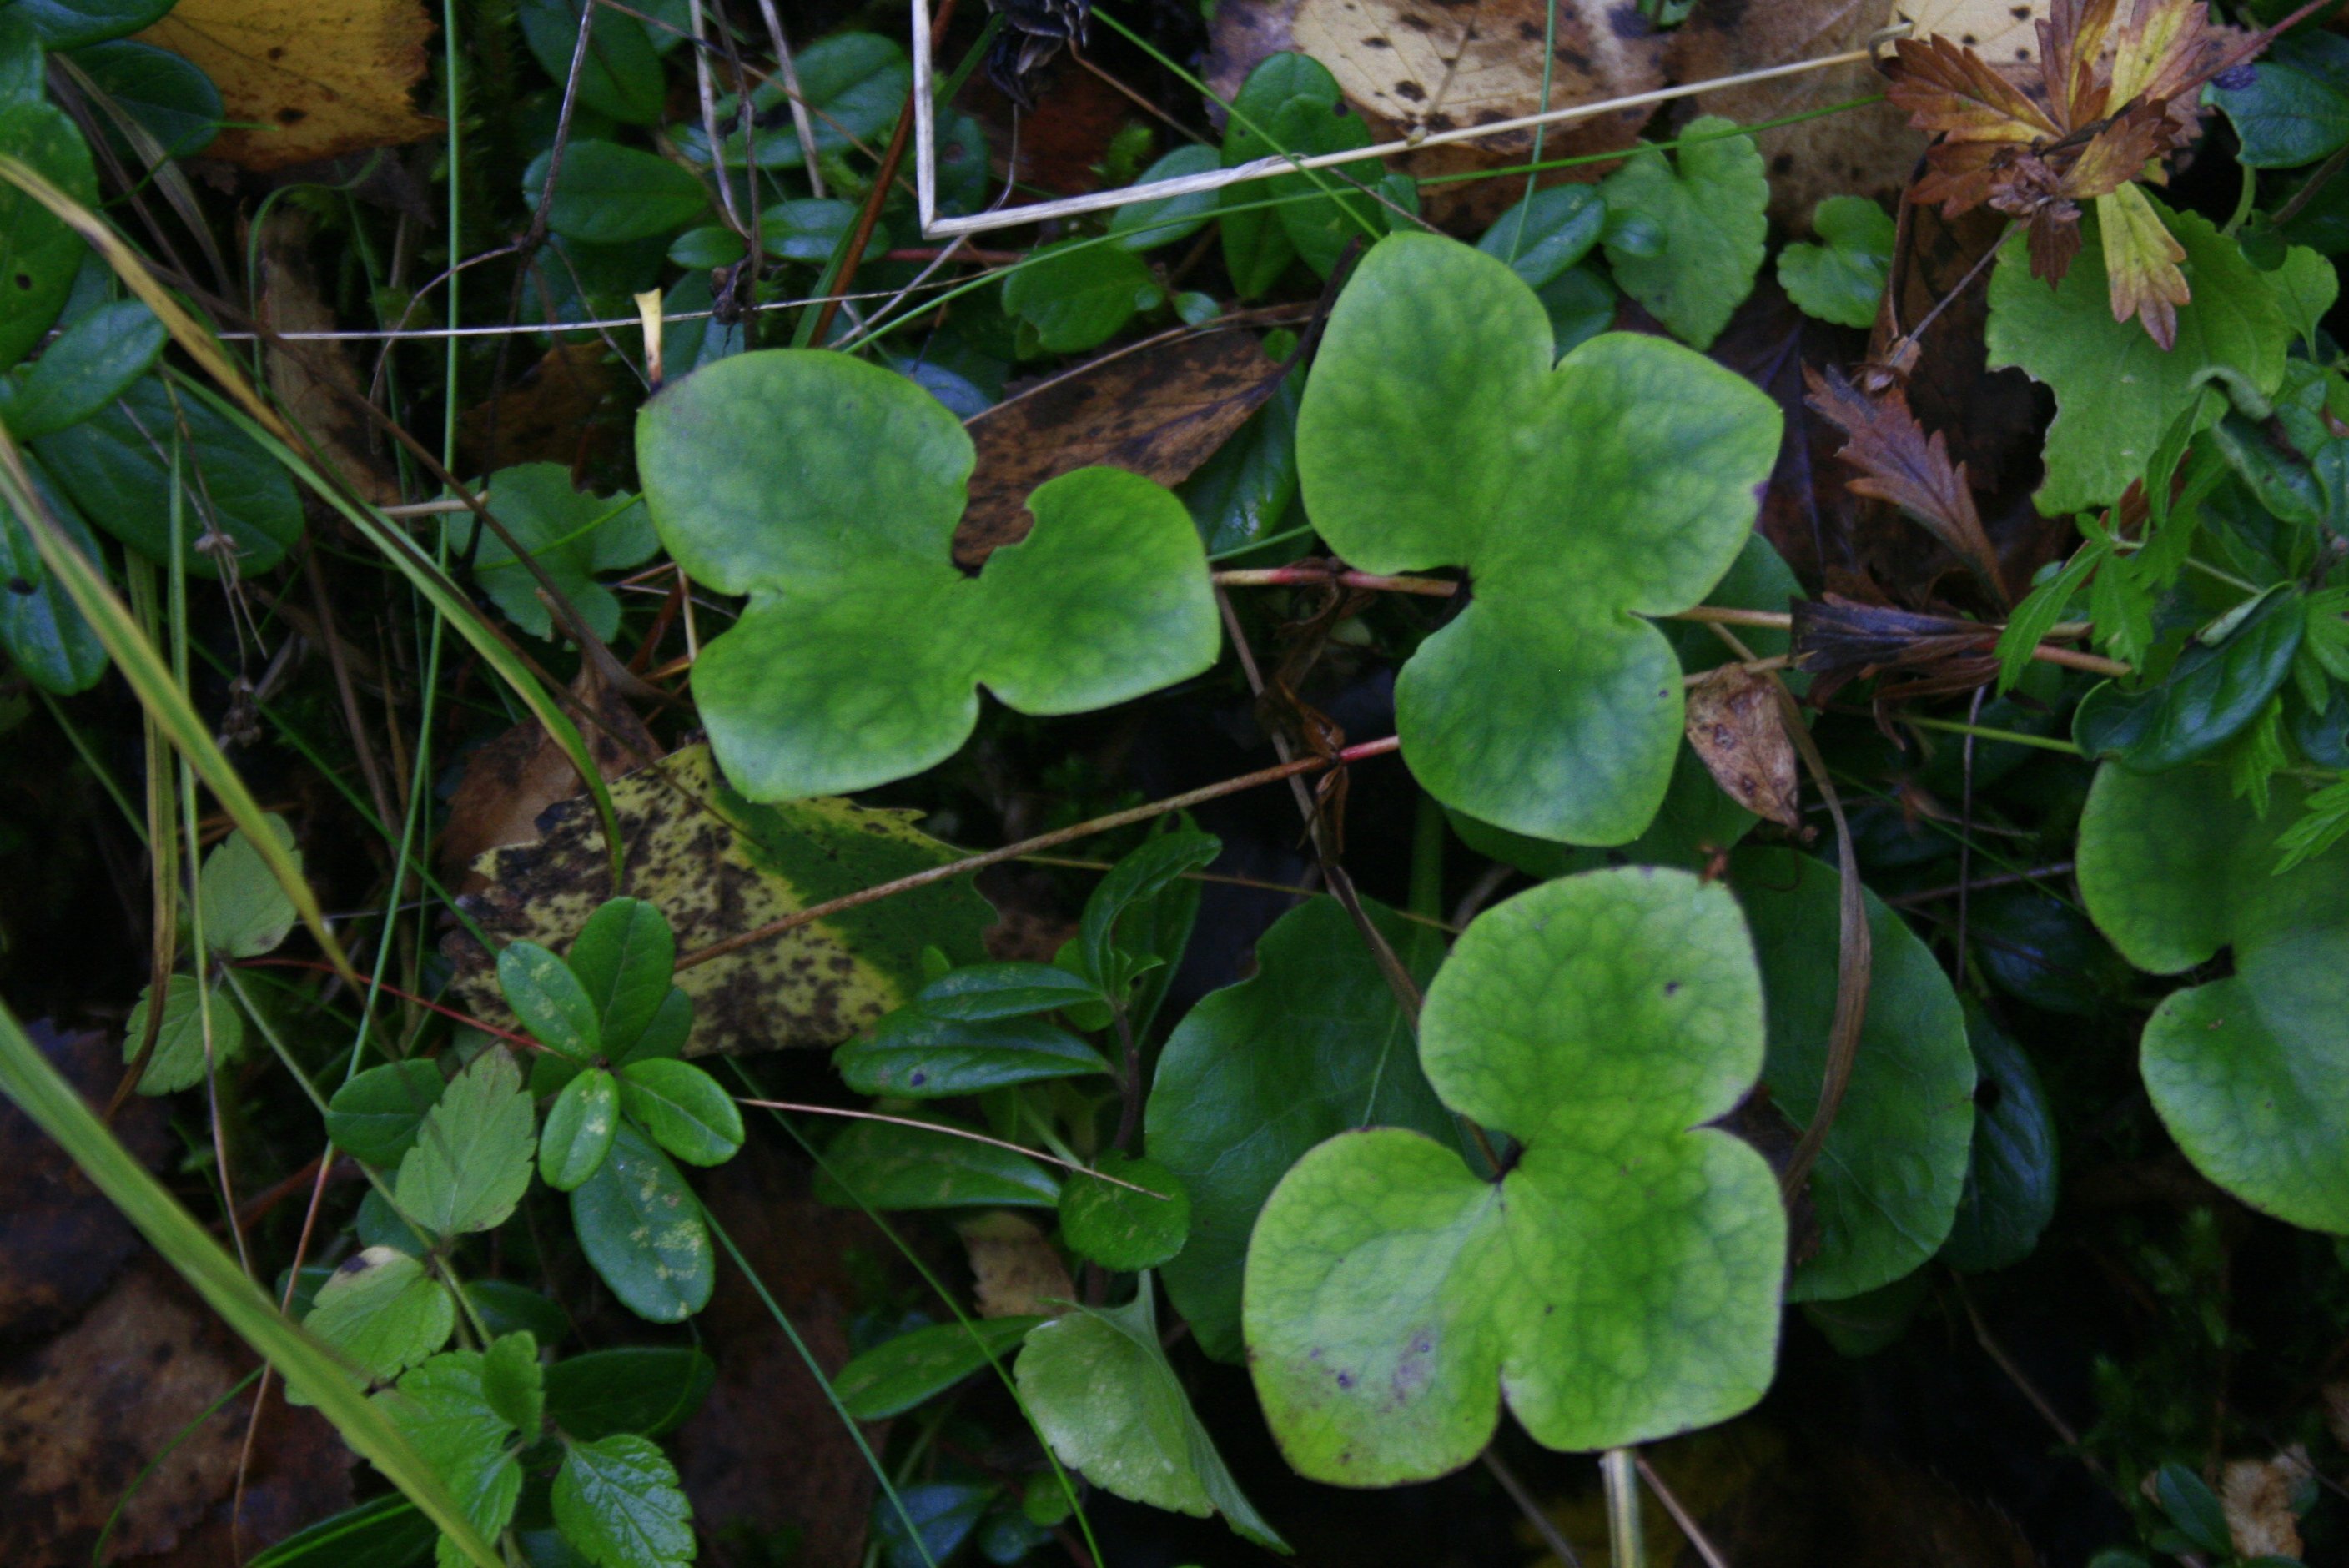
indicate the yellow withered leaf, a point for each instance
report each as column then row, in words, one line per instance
column 306, row 78
column 718, row 865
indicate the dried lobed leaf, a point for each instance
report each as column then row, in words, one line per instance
column 1841, row 640
column 1897, row 463
column 511, row 780
column 1014, row 1269
column 1158, row 411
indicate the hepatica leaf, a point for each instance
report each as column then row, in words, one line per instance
column 827, row 490
column 572, row 536
column 1619, row 1283
column 1434, row 433
column 1708, row 205
column 2251, row 1072
column 1841, row 280
column 1887, row 1183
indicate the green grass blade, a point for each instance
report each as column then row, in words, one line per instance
column 27, row 1079
column 150, row 678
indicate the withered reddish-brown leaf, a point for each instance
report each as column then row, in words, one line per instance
column 1839, row 640
column 1900, row 464
column 1014, row 1272
column 1737, row 728
column 2071, row 50
column 514, row 778
column 1947, row 87
column 2141, row 257
column 1159, row 412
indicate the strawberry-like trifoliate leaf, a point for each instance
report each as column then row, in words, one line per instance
column 472, row 1158
column 1622, row 483
column 2251, row 1072
column 2116, row 391
column 571, row 535
column 1620, row 1283
column 827, row 490
column 1709, row 207
column 1841, row 280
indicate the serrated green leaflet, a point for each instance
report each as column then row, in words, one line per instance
column 382, row 1309
column 2115, row 389
column 2011, row 1184
column 1104, row 1397
column 1842, row 280
column 246, row 913
column 1118, row 1227
column 510, row 1380
column 1885, row 1185
column 1434, row 433
column 1619, row 1283
column 683, row 1109
column 716, row 865
column 761, row 474
column 2251, row 1073
column 617, row 1502
column 549, row 1000
column 472, row 1158
column 374, row 1117
column 180, row 1056
column 1260, row 1072
column 890, row 1166
column 579, row 1128
column 572, row 536
column 1709, row 205
column 443, row 1407
column 898, row 1374
column 641, row 1227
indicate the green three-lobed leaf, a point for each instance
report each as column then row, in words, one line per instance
column 1621, row 483
column 1619, row 1283
column 828, row 489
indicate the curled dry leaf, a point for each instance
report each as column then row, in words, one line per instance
column 2256, row 1497
column 1897, row 463
column 511, row 780
column 1159, row 411
column 311, row 78
column 1422, row 65
column 717, row 866
column 313, row 379
column 1738, row 729
column 1839, row 640
column 1014, row 1271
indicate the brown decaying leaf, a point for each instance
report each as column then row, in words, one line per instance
column 1429, row 65
column 1014, row 1271
column 514, row 778
column 1839, row 640
column 1738, row 730
column 318, row 77
column 1869, row 151
column 1898, row 464
column 313, row 379
column 547, row 416
column 82, row 1416
column 1159, row 412
column 2256, row 1495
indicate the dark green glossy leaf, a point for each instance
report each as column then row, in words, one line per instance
column 2322, row 734
column 890, row 1166
column 2011, row 1184
column 23, row 77
column 2296, row 108
column 1118, row 1227
column 898, row 1374
column 1132, row 882
column 118, row 467
column 1871, row 1321
column 1548, row 232
column 39, row 626
column 2210, row 696
column 648, row 1389
column 1260, row 1072
column 943, row 1513
column 168, row 95
column 914, row 1057
column 1077, row 293
column 71, row 24
column 2041, row 949
column 89, row 365
column 812, row 230
column 619, row 76
column 505, row 1307
column 1290, row 103
column 623, row 958
column 580, row 1126
column 641, row 1227
column 39, row 254
column 374, row 1117
column 684, row 1108
column 975, row 993
column 854, row 85
column 1246, row 492
column 1144, row 225
column 2280, row 482
column 606, row 193
column 2194, row 1508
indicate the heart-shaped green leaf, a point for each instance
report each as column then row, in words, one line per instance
column 1707, row 206
column 1620, row 1283
column 1257, row 1074
column 2251, row 1073
column 1435, row 433
column 1842, row 280
column 1886, row 1182
column 571, row 535
column 828, row 489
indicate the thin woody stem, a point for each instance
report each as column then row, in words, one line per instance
column 829, row 907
